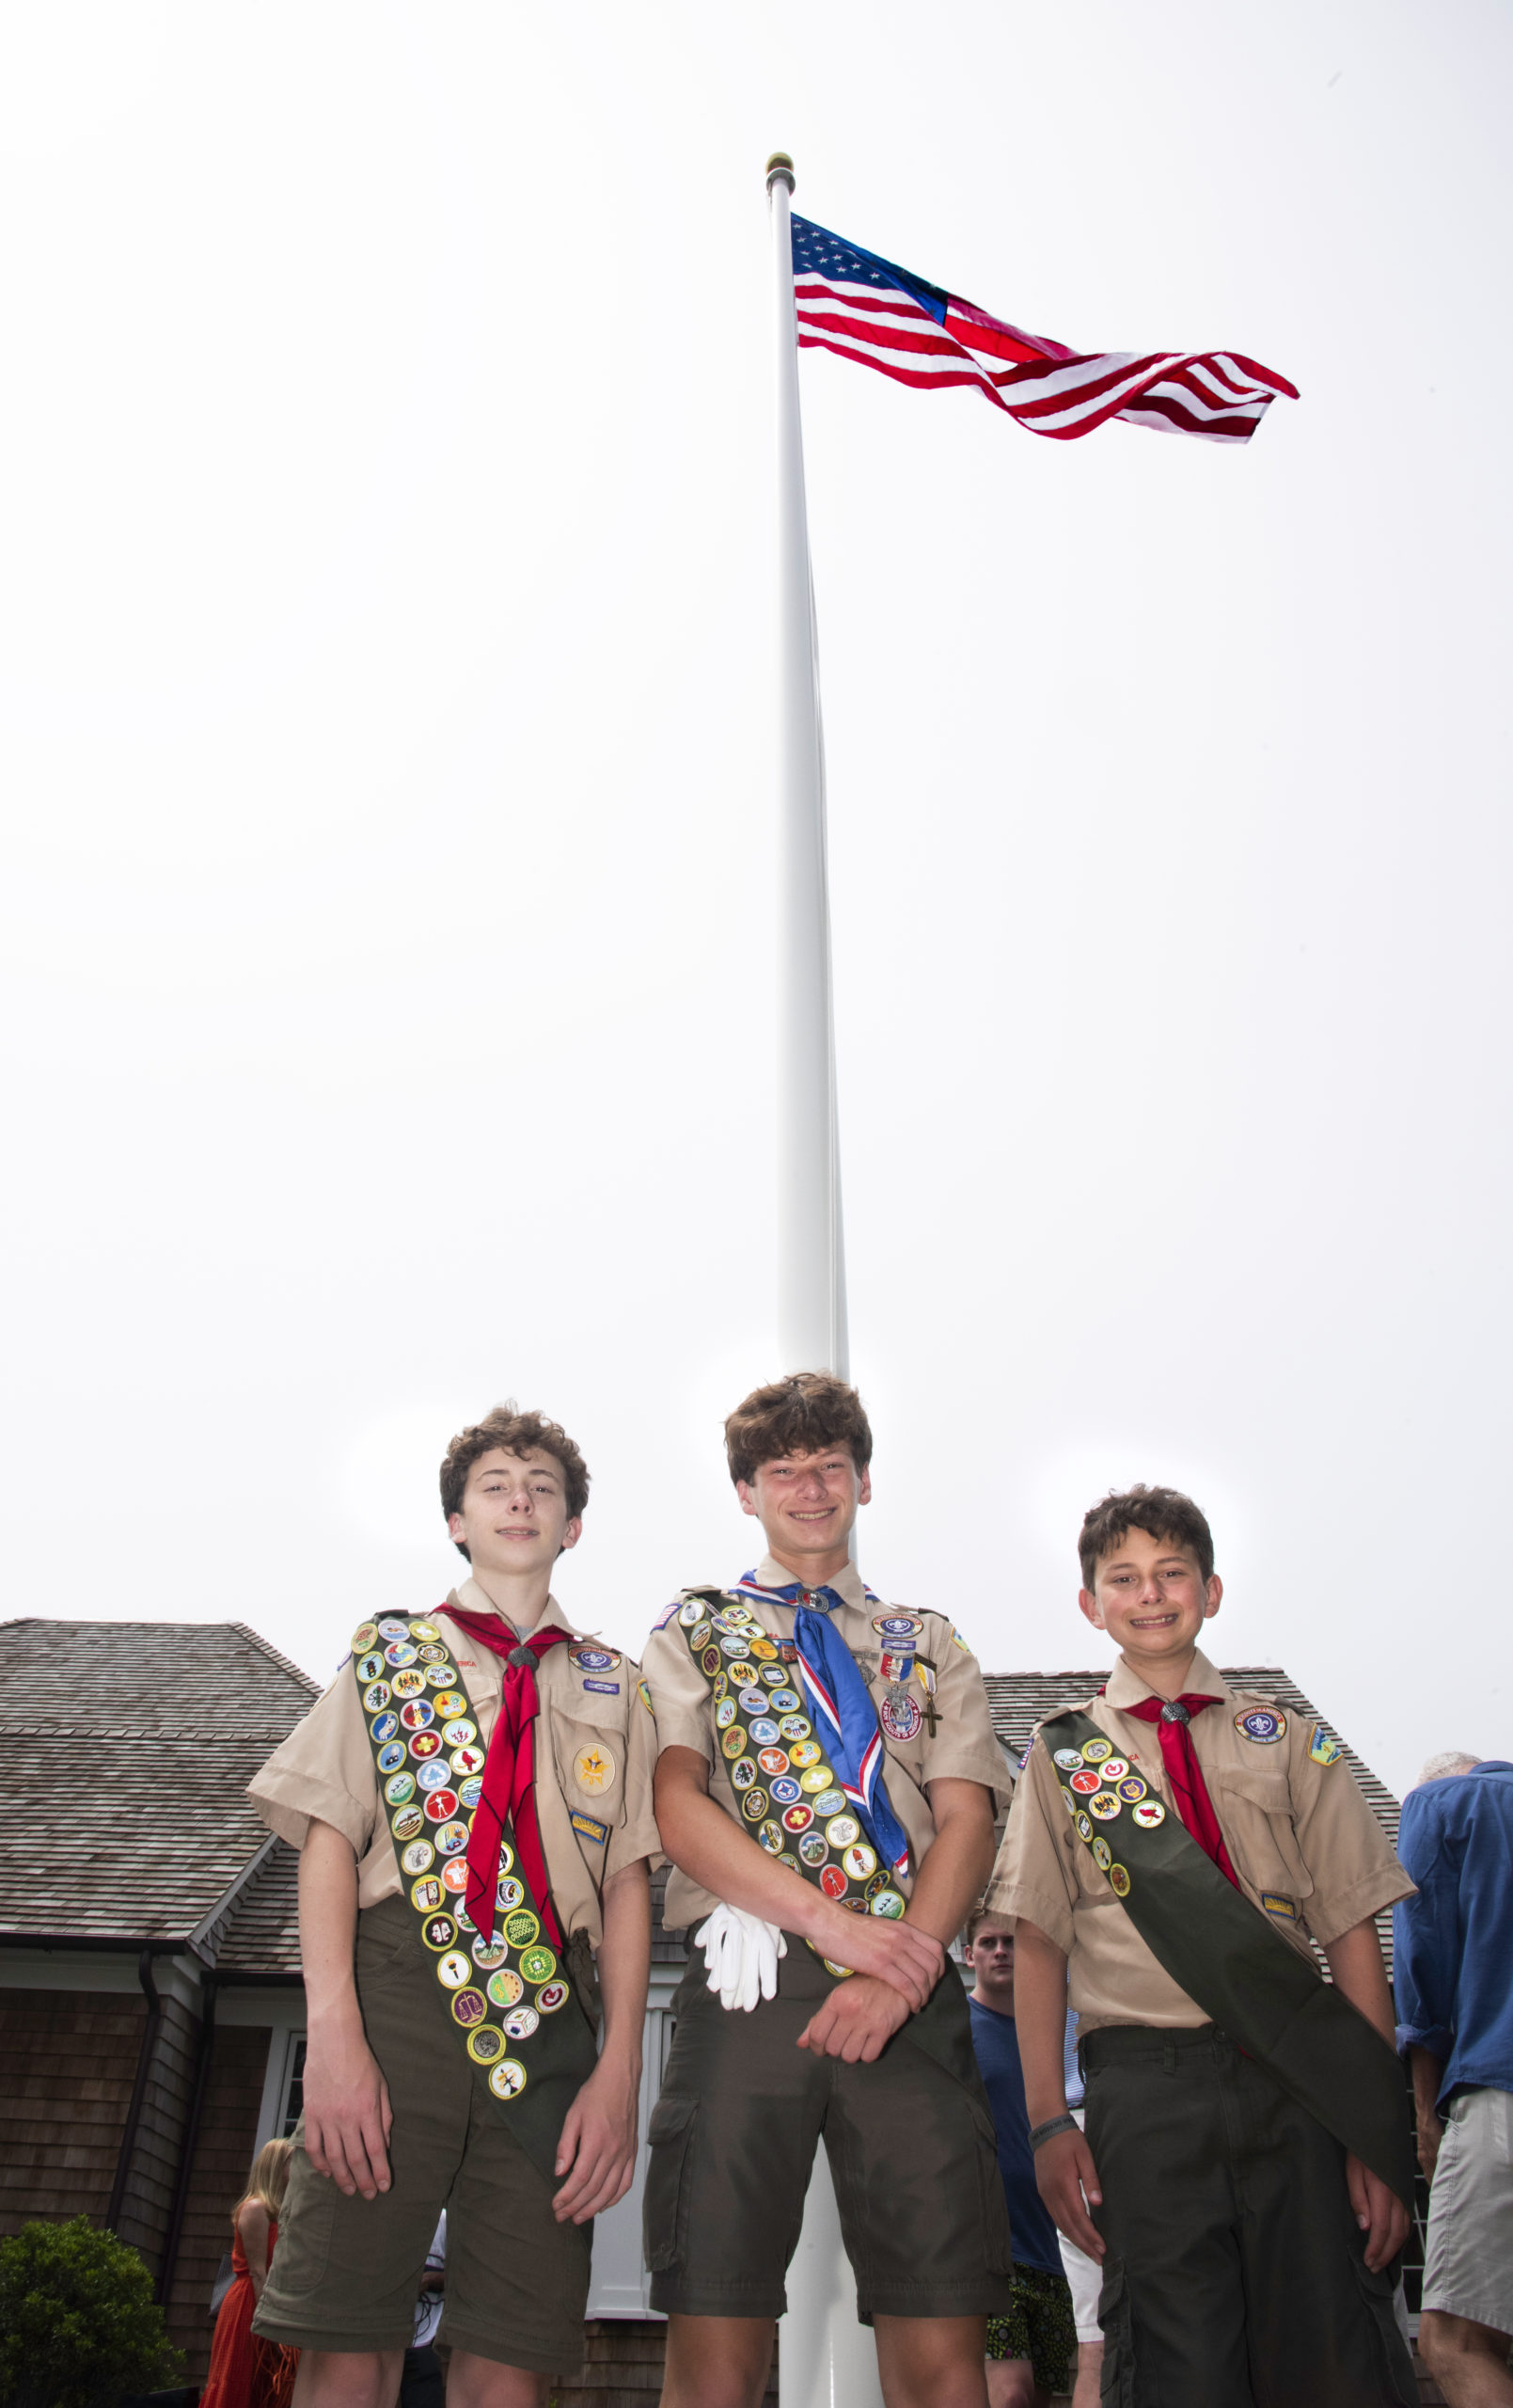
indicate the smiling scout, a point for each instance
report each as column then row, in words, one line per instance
column 826, row 1786
column 472, row 1798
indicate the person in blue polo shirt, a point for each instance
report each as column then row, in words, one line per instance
column 1031, row 2351
column 1454, row 1948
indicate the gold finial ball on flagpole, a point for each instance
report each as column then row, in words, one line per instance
column 779, row 171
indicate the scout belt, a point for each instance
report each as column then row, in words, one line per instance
column 506, row 1996
column 1223, row 1953
column 787, row 1789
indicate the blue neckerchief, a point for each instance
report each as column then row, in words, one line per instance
column 843, row 1704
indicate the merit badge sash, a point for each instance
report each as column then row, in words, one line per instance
column 1220, row 1949
column 505, row 1996
column 788, row 1789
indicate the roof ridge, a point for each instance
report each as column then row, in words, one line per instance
column 285, row 1663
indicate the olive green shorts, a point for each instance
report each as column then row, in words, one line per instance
column 346, row 2272
column 909, row 2140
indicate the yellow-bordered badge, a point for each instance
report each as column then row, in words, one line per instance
column 755, row 1805
column 888, row 1903
column 468, row 2007
column 1102, row 1853
column 485, row 2046
column 842, row 1830
column 537, row 1965
column 408, row 1823
column 733, row 1742
column 644, row 1686
column 1112, row 1768
column 363, row 1637
column 1095, row 1751
column 1119, row 1881
column 1149, row 1814
column 454, row 1702
column 1131, row 1789
column 427, row 1894
column 439, row 1932
column 426, row 1632
column 1104, row 1807
column 521, row 1928
column 1322, row 1748
column 441, row 1676
column 764, row 1650
column 1085, row 1829
column 453, row 1970
column 419, row 1857
column 508, row 2079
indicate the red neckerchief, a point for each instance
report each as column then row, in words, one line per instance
column 1185, row 1772
column 509, row 1773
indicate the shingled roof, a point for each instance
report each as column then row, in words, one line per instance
column 128, row 1749
column 1018, row 1701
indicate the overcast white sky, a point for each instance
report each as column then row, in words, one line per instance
column 386, row 728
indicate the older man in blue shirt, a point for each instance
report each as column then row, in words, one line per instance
column 1454, row 1976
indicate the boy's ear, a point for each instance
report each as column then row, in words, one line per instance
column 1091, row 1609
column 743, row 1490
column 572, row 1531
column 1213, row 1596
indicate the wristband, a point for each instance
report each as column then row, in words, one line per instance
column 1049, row 2131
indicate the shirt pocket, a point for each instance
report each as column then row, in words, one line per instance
column 591, row 1763
column 1255, row 1809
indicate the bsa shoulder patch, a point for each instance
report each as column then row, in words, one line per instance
column 959, row 1640
column 590, row 1829
column 1322, row 1748
column 1276, row 1905
column 645, row 1692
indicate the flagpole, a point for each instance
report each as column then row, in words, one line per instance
column 826, row 2358
column 812, row 1309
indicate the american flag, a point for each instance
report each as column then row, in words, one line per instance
column 851, row 302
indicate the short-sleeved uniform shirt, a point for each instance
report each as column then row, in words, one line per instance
column 595, row 1749
column 1306, row 1846
column 960, row 1748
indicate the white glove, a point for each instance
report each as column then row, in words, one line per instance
column 741, row 1953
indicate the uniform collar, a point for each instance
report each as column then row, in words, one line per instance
column 474, row 1600
column 848, row 1583
column 1126, row 1688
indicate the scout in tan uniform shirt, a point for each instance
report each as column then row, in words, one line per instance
column 857, row 1842
column 481, row 2092
column 1244, row 2248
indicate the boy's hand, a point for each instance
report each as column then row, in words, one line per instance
column 1430, row 2133
column 1064, row 2171
column 909, row 1960
column 597, row 2151
column 347, row 2115
column 1379, row 2211
column 856, row 2020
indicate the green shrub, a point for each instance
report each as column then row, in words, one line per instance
column 78, row 2321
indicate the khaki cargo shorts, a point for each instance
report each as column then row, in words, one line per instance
column 346, row 2272
column 1468, row 2268
column 910, row 2141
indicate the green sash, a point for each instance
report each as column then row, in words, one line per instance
column 507, row 1996
column 1223, row 1953
column 787, row 1787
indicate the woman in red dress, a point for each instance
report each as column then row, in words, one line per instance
column 244, row 2371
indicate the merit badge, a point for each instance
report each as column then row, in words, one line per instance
column 441, row 1805
column 440, row 1675
column 466, row 1760
column 370, row 1668
column 363, row 1637
column 511, row 1891
column 1131, row 1788
column 399, row 1651
column 710, row 1660
column 845, row 1831
column 1104, row 1807
column 782, row 1700
column 770, row 1837
column 743, row 1773
column 898, row 1625
column 807, row 1752
column 551, row 1998
column 425, row 1630
column 376, row 1696
column 744, row 1672
column 398, row 1789
column 451, row 1838
column 812, row 1847
column 385, row 1728
column 792, row 1726
column 1112, row 1768
column 454, row 1702
column 506, row 1989
column 1149, row 1814
column 391, row 1627
column 409, row 1683
column 1262, row 1724
column 816, row 1777
column 1084, row 1782
column 1096, row 1750
column 408, row 1823
column 521, row 2021
column 860, row 1862
column 470, row 1791
column 797, row 1818
column 700, row 1638
column 418, row 1715
column 487, row 1953
column 734, row 1741
column 1102, row 1853
column 419, row 1857
column 538, row 1964
column 764, row 1732
column 453, row 1970
column 901, row 1717
column 427, row 1894
column 1118, row 1881
column 753, row 1701
column 1069, row 1759
column 786, row 1790
column 1322, row 1749
column 724, row 1714
column 832, row 1881
column 773, row 1759
column 438, row 1931
column 693, row 1612
column 888, row 1903
column 507, row 1855
column 764, row 1650
column 425, row 1743
column 594, row 1769
column 1082, row 1826
column 755, row 1805
column 484, row 2044
column 1068, row 1801
column 730, row 1645
column 507, row 2080
column 459, row 1733
column 831, row 1801
column 520, row 1929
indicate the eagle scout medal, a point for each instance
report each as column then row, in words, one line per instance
column 791, row 1790
column 1264, row 1724
column 497, row 1990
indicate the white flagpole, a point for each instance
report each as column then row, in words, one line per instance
column 812, row 1315
column 826, row 2358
